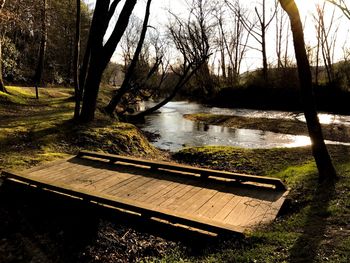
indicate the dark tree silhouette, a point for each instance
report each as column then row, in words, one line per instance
column 126, row 82
column 99, row 53
column 42, row 49
column 77, row 92
column 319, row 149
column 2, row 85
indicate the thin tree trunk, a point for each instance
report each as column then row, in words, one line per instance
column 42, row 50
column 2, row 85
column 319, row 149
column 110, row 108
column 77, row 93
column 263, row 50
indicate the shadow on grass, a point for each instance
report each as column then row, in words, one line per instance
column 306, row 247
column 38, row 226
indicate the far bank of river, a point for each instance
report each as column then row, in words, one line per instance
column 181, row 124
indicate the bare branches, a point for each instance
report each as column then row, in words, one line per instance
column 341, row 4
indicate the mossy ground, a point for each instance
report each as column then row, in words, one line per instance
column 33, row 131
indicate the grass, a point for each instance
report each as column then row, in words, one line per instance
column 35, row 131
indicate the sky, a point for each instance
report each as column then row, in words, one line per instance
column 159, row 18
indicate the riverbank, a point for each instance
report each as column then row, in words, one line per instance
column 333, row 132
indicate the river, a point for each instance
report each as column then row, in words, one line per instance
column 177, row 132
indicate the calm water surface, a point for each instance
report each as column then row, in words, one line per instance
column 177, row 132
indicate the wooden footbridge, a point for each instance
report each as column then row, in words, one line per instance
column 203, row 199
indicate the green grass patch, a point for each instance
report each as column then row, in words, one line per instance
column 251, row 161
column 34, row 131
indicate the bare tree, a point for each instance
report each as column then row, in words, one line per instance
column 234, row 38
column 257, row 29
column 201, row 17
column 77, row 92
column 325, row 41
column 191, row 41
column 42, row 49
column 149, row 75
column 341, row 4
column 2, row 86
column 126, row 83
column 281, row 35
column 319, row 149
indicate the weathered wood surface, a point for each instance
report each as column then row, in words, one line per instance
column 163, row 190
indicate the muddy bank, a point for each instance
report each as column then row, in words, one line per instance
column 333, row 132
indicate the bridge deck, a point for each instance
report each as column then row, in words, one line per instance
column 200, row 198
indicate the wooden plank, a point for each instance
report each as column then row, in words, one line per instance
column 205, row 196
column 137, row 188
column 129, row 186
column 195, row 170
column 114, row 188
column 114, row 184
column 163, row 194
column 255, row 218
column 50, row 169
column 178, row 202
column 147, row 189
column 47, row 165
column 227, row 208
column 142, row 208
column 173, row 195
column 210, row 204
column 240, row 208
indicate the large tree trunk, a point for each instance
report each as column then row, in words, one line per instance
column 91, row 89
column 77, row 92
column 110, row 108
column 99, row 55
column 319, row 149
column 2, row 85
column 42, row 50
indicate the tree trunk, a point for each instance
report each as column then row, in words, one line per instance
column 77, row 93
column 91, row 89
column 181, row 82
column 263, row 50
column 263, row 44
column 42, row 50
column 319, row 149
column 99, row 54
column 2, row 85
column 110, row 108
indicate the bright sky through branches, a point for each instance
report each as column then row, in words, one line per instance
column 160, row 16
